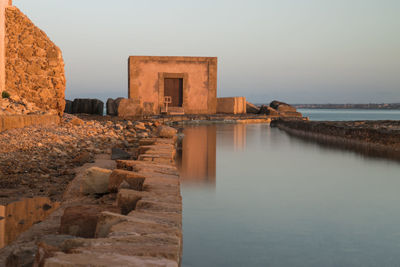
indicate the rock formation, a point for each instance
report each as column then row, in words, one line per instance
column 251, row 108
column 34, row 66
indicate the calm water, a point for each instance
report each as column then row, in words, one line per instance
column 253, row 196
column 350, row 114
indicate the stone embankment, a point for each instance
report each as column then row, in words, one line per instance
column 124, row 212
column 374, row 138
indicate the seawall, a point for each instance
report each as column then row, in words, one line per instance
column 372, row 138
column 8, row 122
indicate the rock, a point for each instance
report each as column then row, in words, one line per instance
column 77, row 122
column 166, row 131
column 87, row 106
column 95, row 181
column 23, row 256
column 268, row 111
column 140, row 126
column 134, row 180
column 118, row 153
column 81, row 220
column 251, row 108
column 129, row 108
column 282, row 107
column 127, row 200
column 82, row 158
column 285, row 110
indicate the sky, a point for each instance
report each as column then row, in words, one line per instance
column 298, row 51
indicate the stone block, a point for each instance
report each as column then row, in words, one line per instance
column 166, row 131
column 105, row 260
column 112, row 106
column 127, row 200
column 129, row 108
column 82, row 220
column 95, row 181
column 87, row 106
column 134, row 180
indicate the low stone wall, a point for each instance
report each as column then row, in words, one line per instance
column 231, row 105
column 20, row 121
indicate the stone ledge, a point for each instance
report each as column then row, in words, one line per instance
column 8, row 122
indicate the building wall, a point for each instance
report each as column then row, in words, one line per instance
column 200, row 81
column 3, row 5
column 34, row 67
column 231, row 105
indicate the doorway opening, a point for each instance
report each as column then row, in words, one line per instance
column 173, row 87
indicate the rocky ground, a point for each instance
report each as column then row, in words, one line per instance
column 39, row 161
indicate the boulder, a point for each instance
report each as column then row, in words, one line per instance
column 134, row 180
column 95, row 181
column 282, row 107
column 129, row 108
column 87, row 106
column 268, row 111
column 251, row 108
column 166, row 131
column 285, row 110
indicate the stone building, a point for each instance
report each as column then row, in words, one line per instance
column 31, row 66
column 173, row 85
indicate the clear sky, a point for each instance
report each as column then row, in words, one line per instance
column 299, row 51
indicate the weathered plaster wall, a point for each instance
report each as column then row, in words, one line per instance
column 200, row 81
column 34, row 67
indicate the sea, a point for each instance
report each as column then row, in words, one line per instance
column 255, row 196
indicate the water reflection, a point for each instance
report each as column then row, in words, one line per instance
column 17, row 217
column 197, row 155
column 281, row 201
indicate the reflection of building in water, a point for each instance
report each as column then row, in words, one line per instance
column 20, row 216
column 2, row 225
column 239, row 137
column 198, row 162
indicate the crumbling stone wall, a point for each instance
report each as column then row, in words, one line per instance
column 34, row 64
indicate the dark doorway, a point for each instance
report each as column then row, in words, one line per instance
column 173, row 87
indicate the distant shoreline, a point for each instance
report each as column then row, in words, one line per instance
column 392, row 106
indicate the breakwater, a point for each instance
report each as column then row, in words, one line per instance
column 372, row 138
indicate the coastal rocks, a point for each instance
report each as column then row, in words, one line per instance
column 95, row 181
column 34, row 66
column 85, row 106
column 285, row 110
column 251, row 108
column 268, row 111
column 166, row 132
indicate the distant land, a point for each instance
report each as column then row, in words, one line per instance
column 349, row 106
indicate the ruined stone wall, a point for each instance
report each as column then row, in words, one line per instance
column 34, row 66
